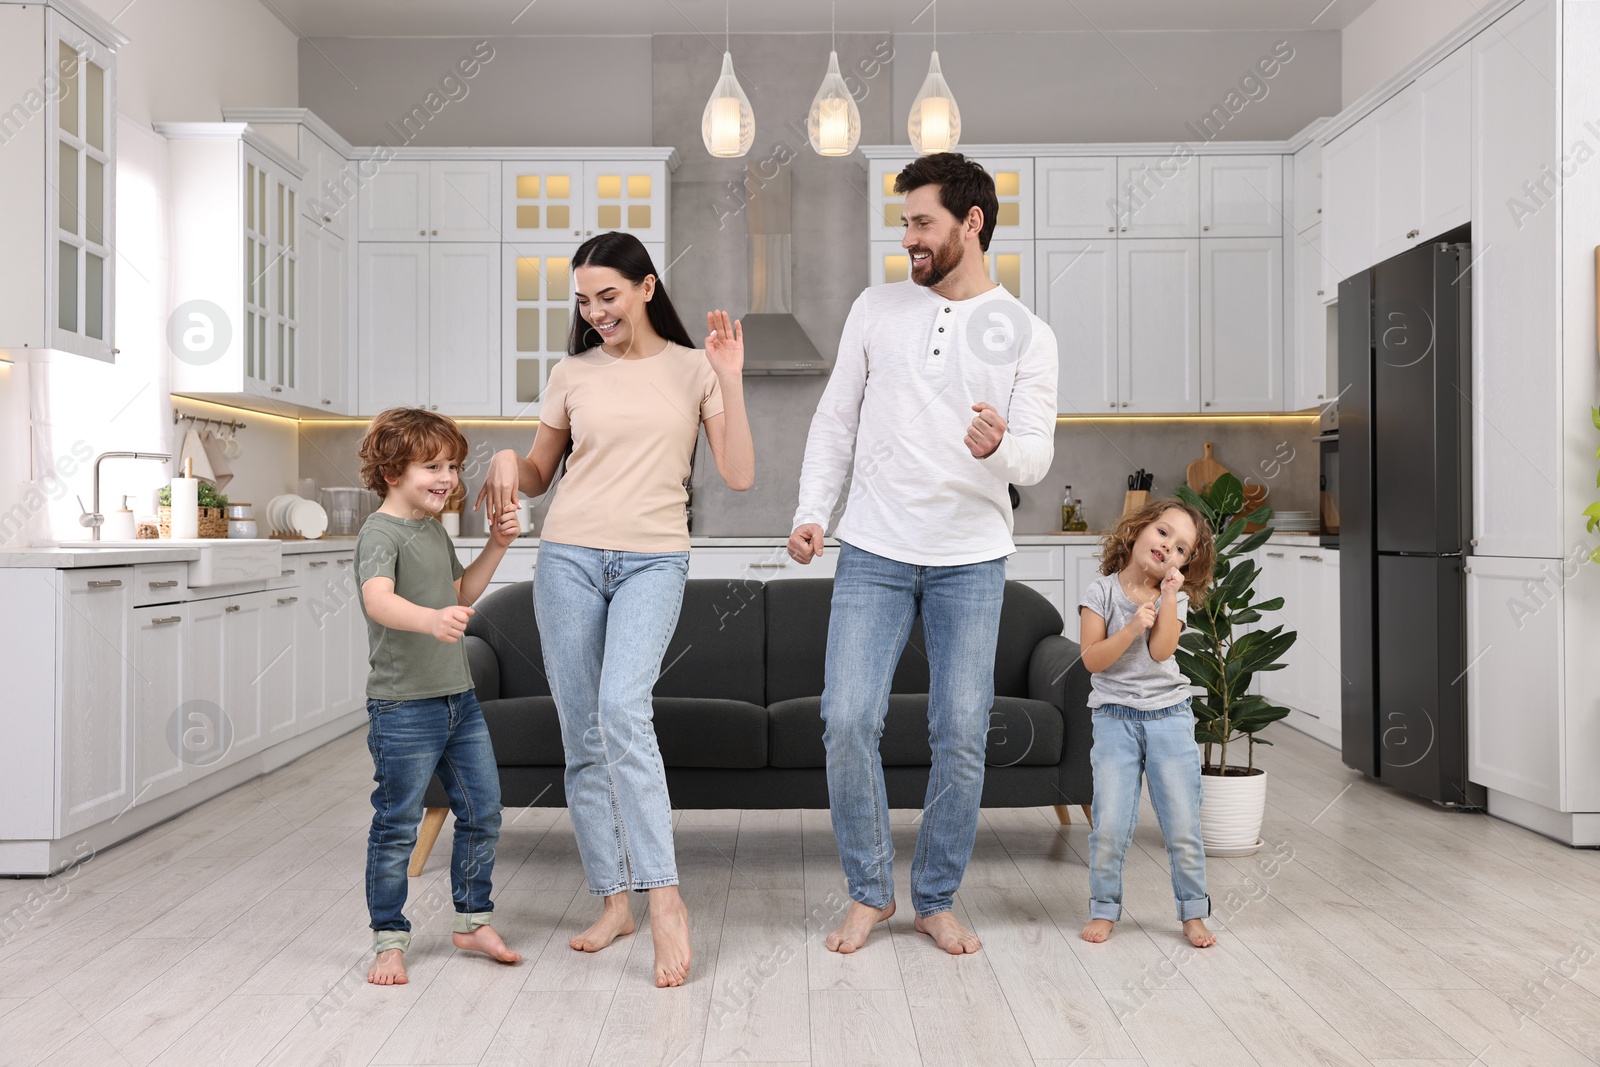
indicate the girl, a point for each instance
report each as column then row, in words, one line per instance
column 630, row 397
column 1157, row 558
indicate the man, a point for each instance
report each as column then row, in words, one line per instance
column 944, row 391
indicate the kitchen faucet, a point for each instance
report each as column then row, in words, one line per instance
column 94, row 519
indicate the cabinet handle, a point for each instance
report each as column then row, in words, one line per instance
column 767, row 566
column 1124, row 229
column 1473, row 542
column 169, row 619
column 231, row 608
column 1113, row 403
column 1111, row 229
column 1466, row 570
column 1275, row 555
column 422, row 233
column 1124, row 403
column 277, row 388
column 314, row 563
column 113, row 583
column 435, row 233
column 347, row 559
column 1207, row 227
column 327, row 218
column 1319, row 210
column 1412, row 233
column 168, row 584
column 1208, row 403
column 287, row 599
column 1319, row 292
column 1313, row 559
column 330, row 403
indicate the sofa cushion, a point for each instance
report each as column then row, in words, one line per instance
column 690, row 732
column 717, row 648
column 1022, row 732
column 504, row 620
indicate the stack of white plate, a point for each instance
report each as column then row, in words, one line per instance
column 1295, row 521
column 292, row 515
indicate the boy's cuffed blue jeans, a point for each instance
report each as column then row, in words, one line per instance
column 1159, row 746
column 410, row 742
column 875, row 601
column 605, row 618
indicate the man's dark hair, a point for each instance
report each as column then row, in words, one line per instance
column 963, row 185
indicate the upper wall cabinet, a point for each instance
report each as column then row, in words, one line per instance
column 1306, row 206
column 1349, row 202
column 1077, row 197
column 430, row 200
column 57, row 170
column 1158, row 196
column 1013, row 182
column 558, row 200
column 1241, row 196
column 1077, row 295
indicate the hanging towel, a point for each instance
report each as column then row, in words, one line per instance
column 220, row 470
column 193, row 450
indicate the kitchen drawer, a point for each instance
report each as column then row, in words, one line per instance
column 759, row 564
column 160, row 583
column 1035, row 563
column 1055, row 592
column 517, row 566
column 466, row 554
column 305, row 569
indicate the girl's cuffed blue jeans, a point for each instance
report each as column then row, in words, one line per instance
column 1159, row 746
column 605, row 618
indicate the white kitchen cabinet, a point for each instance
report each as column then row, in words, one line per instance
column 1310, row 383
column 236, row 257
column 1306, row 206
column 324, row 327
column 1055, row 592
column 629, row 197
column 1158, row 196
column 1077, row 296
column 329, row 193
column 95, row 742
column 57, row 179
column 1517, row 386
column 314, row 659
column 1310, row 683
column 1010, row 265
column 160, row 676
column 1514, row 678
column 1397, row 155
column 392, row 332
column 244, row 655
column 1349, row 201
column 757, row 564
column 1014, row 189
column 1158, row 334
column 1241, row 196
column 1081, row 566
column 1077, row 197
column 1444, row 94
column 542, row 201
column 556, row 201
column 430, row 200
column 347, row 637
column 275, row 680
column 1241, row 324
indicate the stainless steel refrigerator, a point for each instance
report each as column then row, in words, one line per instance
column 1405, row 345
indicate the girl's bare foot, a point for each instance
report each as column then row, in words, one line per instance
column 947, row 933
column 389, row 968
column 1195, row 930
column 485, row 940
column 858, row 923
column 616, row 920
column 1097, row 930
column 669, row 929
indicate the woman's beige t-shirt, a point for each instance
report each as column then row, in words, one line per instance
column 634, row 424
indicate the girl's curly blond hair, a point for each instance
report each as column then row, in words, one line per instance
column 1116, row 548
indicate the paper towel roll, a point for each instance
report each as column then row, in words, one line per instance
column 186, row 507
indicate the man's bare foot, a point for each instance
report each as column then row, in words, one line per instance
column 1097, row 930
column 1195, row 930
column 616, row 920
column 389, row 968
column 858, row 923
column 947, row 933
column 485, row 940
column 669, row 929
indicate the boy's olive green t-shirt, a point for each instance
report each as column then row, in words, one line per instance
column 419, row 557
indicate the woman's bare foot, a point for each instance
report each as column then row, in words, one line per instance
column 616, row 920
column 669, row 929
column 858, row 923
column 485, row 940
column 1195, row 930
column 947, row 933
column 389, row 968
column 1097, row 930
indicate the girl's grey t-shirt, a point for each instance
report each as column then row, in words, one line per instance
column 1134, row 680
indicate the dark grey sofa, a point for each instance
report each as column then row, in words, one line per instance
column 738, row 705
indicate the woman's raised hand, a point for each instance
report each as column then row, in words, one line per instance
column 725, row 344
column 500, row 485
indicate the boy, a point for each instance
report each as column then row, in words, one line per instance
column 425, row 718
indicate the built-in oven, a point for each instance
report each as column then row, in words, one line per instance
column 1327, row 439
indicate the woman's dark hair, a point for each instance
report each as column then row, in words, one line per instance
column 963, row 185
column 624, row 253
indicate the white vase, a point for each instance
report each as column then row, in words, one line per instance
column 1231, row 809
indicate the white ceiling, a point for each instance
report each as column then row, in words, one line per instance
column 445, row 18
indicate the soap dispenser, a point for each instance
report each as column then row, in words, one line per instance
column 119, row 524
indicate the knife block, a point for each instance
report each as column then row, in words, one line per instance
column 1135, row 498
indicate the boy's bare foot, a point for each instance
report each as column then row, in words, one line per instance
column 858, row 923
column 485, row 940
column 669, row 930
column 389, row 968
column 1195, row 930
column 947, row 933
column 1097, row 930
column 616, row 920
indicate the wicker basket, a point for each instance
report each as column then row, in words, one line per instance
column 213, row 521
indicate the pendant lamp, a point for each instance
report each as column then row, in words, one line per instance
column 728, row 125
column 834, row 122
column 934, row 124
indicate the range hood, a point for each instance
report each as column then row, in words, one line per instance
column 774, row 342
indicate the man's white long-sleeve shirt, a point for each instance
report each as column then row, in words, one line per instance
column 894, row 417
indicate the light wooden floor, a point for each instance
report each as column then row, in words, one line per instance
column 1374, row 929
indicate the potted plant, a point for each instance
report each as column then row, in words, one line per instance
column 213, row 510
column 1221, row 651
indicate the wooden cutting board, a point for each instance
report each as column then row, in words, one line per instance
column 1202, row 472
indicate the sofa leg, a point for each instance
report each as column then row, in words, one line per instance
column 427, row 834
column 1064, row 813
column 1088, row 814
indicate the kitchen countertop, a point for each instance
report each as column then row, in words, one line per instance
column 779, row 539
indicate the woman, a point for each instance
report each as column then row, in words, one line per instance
column 630, row 396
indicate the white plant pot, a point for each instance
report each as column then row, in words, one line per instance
column 1231, row 808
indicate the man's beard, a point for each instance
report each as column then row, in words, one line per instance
column 945, row 258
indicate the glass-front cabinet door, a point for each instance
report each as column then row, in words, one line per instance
column 271, row 280
column 81, row 171
column 543, row 201
column 626, row 196
column 538, row 312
